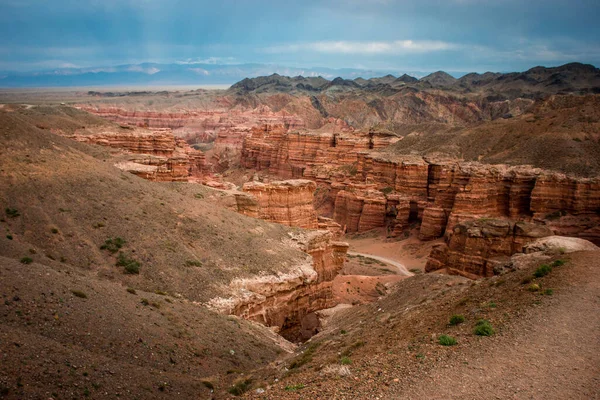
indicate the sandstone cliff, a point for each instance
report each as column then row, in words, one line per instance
column 483, row 247
column 283, row 300
column 285, row 202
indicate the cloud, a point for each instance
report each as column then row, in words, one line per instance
column 138, row 68
column 376, row 47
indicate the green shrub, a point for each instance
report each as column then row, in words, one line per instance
column 26, row 260
column 145, row 302
column 387, row 190
column 9, row 237
column 131, row 290
column 549, row 292
column 483, row 328
column 293, row 388
column 345, row 361
column 12, row 212
column 54, row 230
column 79, row 293
column 113, row 245
column 558, row 263
column 446, row 340
column 130, row 265
column 457, row 319
column 240, row 387
column 542, row 270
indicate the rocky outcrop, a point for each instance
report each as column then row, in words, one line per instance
column 483, row 247
column 283, row 300
column 298, row 154
column 285, row 202
column 157, row 155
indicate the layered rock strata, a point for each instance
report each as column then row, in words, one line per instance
column 483, row 247
column 285, row 202
column 157, row 155
column 283, row 300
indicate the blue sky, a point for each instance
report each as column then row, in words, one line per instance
column 425, row 35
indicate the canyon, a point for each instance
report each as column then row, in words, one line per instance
column 286, row 215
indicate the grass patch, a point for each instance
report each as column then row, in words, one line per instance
column 26, row 260
column 446, row 340
column 240, row 387
column 484, row 328
column 457, row 319
column 345, row 360
column 293, row 388
column 113, row 245
column 79, row 293
column 129, row 265
column 193, row 263
column 306, row 357
column 542, row 271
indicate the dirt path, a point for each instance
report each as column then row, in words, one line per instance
column 401, row 268
column 552, row 352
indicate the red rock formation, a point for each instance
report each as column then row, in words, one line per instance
column 283, row 301
column 286, row 202
column 482, row 247
column 158, row 154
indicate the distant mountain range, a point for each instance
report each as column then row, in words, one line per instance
column 538, row 81
column 150, row 74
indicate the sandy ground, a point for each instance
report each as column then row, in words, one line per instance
column 410, row 252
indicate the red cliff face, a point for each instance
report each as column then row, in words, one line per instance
column 286, row 202
column 283, row 301
column 483, row 247
column 156, row 155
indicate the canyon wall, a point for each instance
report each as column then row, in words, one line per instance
column 367, row 189
column 483, row 247
column 282, row 301
column 285, row 202
column 156, row 155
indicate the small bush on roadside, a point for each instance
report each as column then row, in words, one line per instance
column 457, row 319
column 484, row 328
column 558, row 263
column 26, row 260
column 446, row 340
